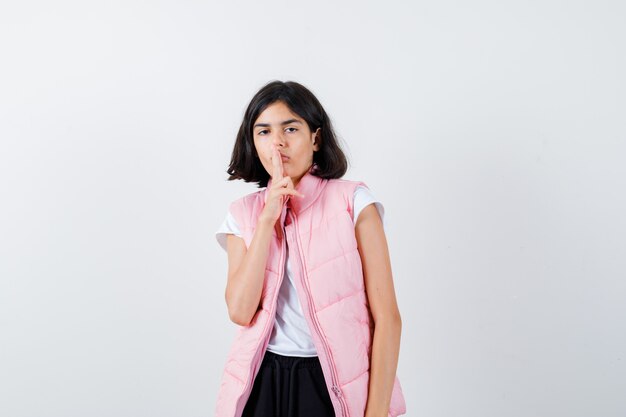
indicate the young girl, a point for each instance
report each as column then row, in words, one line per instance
column 309, row 274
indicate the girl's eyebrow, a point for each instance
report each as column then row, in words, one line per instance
column 286, row 122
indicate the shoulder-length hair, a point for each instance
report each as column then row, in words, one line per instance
column 245, row 164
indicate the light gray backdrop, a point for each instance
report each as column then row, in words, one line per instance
column 493, row 133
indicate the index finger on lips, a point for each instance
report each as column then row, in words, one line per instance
column 277, row 163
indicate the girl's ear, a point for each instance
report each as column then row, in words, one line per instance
column 316, row 140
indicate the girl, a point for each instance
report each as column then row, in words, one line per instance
column 309, row 274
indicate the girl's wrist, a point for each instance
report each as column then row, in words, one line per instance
column 265, row 222
column 377, row 415
column 372, row 412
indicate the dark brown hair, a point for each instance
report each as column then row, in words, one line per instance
column 245, row 164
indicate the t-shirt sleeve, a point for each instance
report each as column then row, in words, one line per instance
column 363, row 197
column 228, row 226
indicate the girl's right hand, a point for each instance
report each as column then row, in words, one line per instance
column 282, row 188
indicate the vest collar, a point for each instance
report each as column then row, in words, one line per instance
column 310, row 185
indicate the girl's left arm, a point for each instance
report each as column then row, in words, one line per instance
column 372, row 245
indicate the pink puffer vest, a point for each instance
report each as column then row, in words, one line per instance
column 329, row 280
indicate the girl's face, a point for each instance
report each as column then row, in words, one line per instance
column 279, row 127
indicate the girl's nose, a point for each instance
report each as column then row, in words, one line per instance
column 278, row 140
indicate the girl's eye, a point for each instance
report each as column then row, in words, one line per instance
column 261, row 132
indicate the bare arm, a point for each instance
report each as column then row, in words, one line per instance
column 374, row 253
column 246, row 272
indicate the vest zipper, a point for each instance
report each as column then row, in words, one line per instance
column 270, row 323
column 335, row 388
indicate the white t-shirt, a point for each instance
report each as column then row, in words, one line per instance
column 291, row 335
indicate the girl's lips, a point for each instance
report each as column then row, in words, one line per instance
column 284, row 158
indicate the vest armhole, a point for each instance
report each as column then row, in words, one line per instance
column 352, row 188
column 235, row 209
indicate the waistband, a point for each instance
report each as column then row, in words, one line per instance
column 274, row 359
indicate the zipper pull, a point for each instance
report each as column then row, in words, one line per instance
column 337, row 391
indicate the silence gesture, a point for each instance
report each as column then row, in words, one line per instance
column 281, row 189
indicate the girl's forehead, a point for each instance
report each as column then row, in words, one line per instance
column 277, row 115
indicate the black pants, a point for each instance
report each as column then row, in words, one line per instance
column 289, row 386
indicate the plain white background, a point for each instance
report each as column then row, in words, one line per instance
column 493, row 133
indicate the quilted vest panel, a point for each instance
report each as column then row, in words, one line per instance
column 329, row 281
